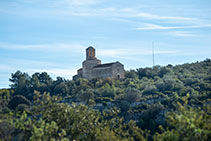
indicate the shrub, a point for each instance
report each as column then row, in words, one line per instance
column 18, row 99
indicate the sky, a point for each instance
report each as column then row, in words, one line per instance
column 52, row 35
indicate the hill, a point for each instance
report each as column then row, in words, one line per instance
column 159, row 103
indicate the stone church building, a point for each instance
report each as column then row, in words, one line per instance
column 92, row 68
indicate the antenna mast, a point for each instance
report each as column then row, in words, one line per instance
column 153, row 56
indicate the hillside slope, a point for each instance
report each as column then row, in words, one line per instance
column 154, row 98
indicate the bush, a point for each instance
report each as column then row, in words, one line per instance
column 187, row 124
column 16, row 100
column 108, row 92
column 132, row 95
column 6, row 130
column 124, row 105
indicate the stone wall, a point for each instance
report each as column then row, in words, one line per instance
column 92, row 68
column 103, row 72
column 88, row 67
column 118, row 70
column 90, row 53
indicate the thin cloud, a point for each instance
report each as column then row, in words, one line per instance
column 81, row 2
column 19, row 63
column 159, row 27
column 114, row 12
column 37, row 67
column 123, row 53
column 182, row 34
column 132, row 12
column 66, row 73
column 60, row 2
column 44, row 47
column 85, row 8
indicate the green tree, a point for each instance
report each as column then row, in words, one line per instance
column 132, row 95
column 131, row 74
column 187, row 123
column 51, row 120
column 86, row 96
column 62, row 89
column 21, row 83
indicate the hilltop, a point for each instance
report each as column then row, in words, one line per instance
column 146, row 104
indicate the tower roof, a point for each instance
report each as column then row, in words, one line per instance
column 90, row 47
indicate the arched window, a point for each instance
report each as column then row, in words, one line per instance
column 118, row 76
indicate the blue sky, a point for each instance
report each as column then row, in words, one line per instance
column 52, row 35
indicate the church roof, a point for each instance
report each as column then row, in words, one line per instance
column 104, row 65
column 80, row 69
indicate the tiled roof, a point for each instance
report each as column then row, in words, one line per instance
column 104, row 65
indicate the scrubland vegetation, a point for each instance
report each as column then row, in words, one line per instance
column 170, row 103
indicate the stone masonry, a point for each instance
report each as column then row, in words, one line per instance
column 92, row 68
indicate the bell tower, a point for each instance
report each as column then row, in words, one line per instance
column 90, row 53
column 89, row 63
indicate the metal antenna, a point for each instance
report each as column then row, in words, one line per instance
column 153, row 56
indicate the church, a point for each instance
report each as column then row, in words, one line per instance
column 92, row 68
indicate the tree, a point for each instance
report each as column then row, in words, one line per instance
column 132, row 95
column 52, row 120
column 108, row 92
column 35, row 82
column 16, row 100
column 44, row 78
column 62, row 89
column 187, row 123
column 21, row 83
column 19, row 80
column 131, row 74
column 149, row 89
column 86, row 96
column 5, row 96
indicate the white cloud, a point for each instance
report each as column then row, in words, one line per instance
column 132, row 12
column 126, row 14
column 85, row 8
column 159, row 27
column 182, row 34
column 66, row 73
column 81, row 2
column 28, row 63
column 6, row 67
column 124, row 53
column 6, row 71
column 59, row 2
column 114, row 12
column 44, row 47
column 26, row 66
